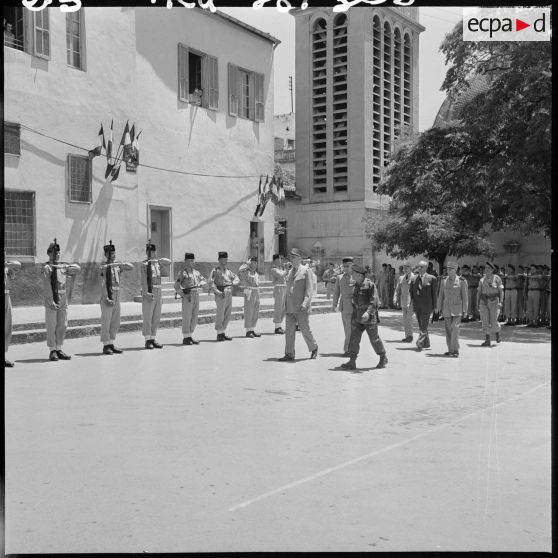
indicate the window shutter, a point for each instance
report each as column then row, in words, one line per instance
column 41, row 34
column 252, row 97
column 233, row 90
column 213, row 82
column 183, row 72
column 259, row 95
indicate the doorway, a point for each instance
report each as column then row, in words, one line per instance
column 282, row 238
column 160, row 231
column 256, row 247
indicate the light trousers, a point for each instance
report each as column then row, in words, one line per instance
column 302, row 318
column 489, row 316
column 346, row 317
column 279, row 295
column 251, row 309
column 329, row 289
column 151, row 312
column 533, row 304
column 190, row 311
column 451, row 325
column 56, row 323
column 110, row 319
column 224, row 309
column 7, row 321
column 510, row 305
column 407, row 312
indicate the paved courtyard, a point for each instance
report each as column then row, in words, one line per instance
column 219, row 447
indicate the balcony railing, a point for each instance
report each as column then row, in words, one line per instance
column 285, row 156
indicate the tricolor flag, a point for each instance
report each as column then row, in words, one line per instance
column 266, row 194
column 115, row 173
column 101, row 144
column 127, row 143
column 109, row 152
column 281, row 193
column 135, row 149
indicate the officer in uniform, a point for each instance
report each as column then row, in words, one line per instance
column 328, row 277
column 278, row 274
column 221, row 281
column 298, row 301
column 188, row 285
column 490, row 294
column 533, row 295
column 466, row 274
column 543, row 283
column 452, row 304
column 342, row 295
column 110, row 298
column 364, row 318
column 402, row 299
column 521, row 300
column 56, row 305
column 249, row 279
column 548, row 302
column 9, row 267
column 473, row 282
column 152, row 298
column 510, row 296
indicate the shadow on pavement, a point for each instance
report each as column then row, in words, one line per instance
column 340, row 355
column 439, row 355
column 33, row 360
column 90, row 354
column 137, row 349
column 407, row 349
column 272, row 359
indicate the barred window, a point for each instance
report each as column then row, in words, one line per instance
column 80, row 178
column 19, row 223
column 12, row 138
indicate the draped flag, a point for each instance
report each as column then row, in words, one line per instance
column 101, row 144
column 135, row 150
column 129, row 144
column 260, row 191
column 110, row 166
column 280, row 193
column 265, row 197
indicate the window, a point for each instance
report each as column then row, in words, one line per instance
column 19, row 223
column 41, row 34
column 12, row 138
column 74, row 39
column 198, row 78
column 290, row 143
column 246, row 94
column 14, row 28
column 80, row 178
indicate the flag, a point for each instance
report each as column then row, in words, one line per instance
column 101, row 144
column 115, row 173
column 125, row 133
column 265, row 196
column 127, row 143
column 110, row 167
column 134, row 158
column 281, row 193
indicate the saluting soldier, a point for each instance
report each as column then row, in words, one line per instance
column 328, row 277
column 249, row 278
column 365, row 304
column 343, row 295
column 56, row 305
column 278, row 274
column 533, row 295
column 152, row 297
column 452, row 304
column 510, row 296
column 188, row 285
column 489, row 300
column 521, row 299
column 9, row 268
column 221, row 282
column 110, row 299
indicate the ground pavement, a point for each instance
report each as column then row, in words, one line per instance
column 220, row 447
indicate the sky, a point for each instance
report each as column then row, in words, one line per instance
column 438, row 21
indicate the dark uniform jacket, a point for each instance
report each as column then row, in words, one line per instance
column 424, row 299
column 365, row 299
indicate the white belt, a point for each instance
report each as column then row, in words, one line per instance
column 280, row 285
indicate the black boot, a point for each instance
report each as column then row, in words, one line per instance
column 486, row 342
column 497, row 337
column 107, row 350
column 383, row 361
column 350, row 364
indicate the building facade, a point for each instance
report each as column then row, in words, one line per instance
column 199, row 88
column 356, row 90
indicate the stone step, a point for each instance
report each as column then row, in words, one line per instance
column 168, row 295
column 36, row 332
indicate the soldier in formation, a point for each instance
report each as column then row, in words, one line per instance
column 278, row 274
column 187, row 286
column 54, row 274
column 342, row 295
column 328, row 277
column 249, row 280
column 152, row 297
column 221, row 282
column 9, row 268
column 110, row 298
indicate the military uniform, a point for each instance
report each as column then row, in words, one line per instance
column 188, row 286
column 110, row 300
column 521, row 298
column 383, row 287
column 56, row 304
column 328, row 278
column 152, row 297
column 473, row 282
column 343, row 295
column 250, row 281
column 543, row 284
column 365, row 304
column 402, row 298
column 453, row 304
column 278, row 275
column 511, row 286
column 532, row 290
column 221, row 282
column 548, row 302
column 8, row 265
column 489, row 300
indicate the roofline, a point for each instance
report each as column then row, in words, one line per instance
column 240, row 23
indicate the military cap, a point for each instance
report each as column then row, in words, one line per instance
column 296, row 252
column 511, row 266
column 150, row 247
column 465, row 267
column 53, row 246
column 189, row 256
column 520, row 267
column 110, row 247
column 276, row 257
column 546, row 266
column 222, row 255
column 452, row 265
column 348, row 260
column 253, row 259
column 533, row 265
column 359, row 269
